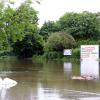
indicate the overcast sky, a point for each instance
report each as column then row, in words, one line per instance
column 53, row 9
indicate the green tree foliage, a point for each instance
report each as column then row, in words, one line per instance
column 23, row 22
column 48, row 28
column 81, row 25
column 25, row 32
column 59, row 41
column 19, row 30
column 29, row 45
column 1, row 27
column 7, row 23
column 5, row 15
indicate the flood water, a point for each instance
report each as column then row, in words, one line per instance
column 50, row 80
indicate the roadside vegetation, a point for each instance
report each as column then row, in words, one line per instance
column 20, row 35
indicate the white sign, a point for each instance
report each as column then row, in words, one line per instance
column 67, row 52
column 90, row 52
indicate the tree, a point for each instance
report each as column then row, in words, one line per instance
column 29, row 45
column 48, row 28
column 24, row 21
column 20, row 21
column 25, row 37
column 19, row 26
column 5, row 15
column 59, row 41
column 80, row 25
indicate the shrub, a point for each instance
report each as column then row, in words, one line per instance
column 87, row 42
column 59, row 41
column 31, row 44
column 53, row 55
column 76, row 52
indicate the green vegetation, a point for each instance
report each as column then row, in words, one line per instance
column 81, row 25
column 48, row 28
column 59, row 42
column 21, row 36
column 20, row 32
column 29, row 45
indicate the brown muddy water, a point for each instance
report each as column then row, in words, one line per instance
column 51, row 80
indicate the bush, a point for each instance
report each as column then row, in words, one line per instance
column 76, row 52
column 53, row 55
column 83, row 25
column 6, row 53
column 31, row 44
column 87, row 42
column 59, row 42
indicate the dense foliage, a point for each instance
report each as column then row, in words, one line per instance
column 19, row 30
column 59, row 42
column 48, row 28
column 29, row 45
column 81, row 25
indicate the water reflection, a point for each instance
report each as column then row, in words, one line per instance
column 3, row 93
column 90, row 98
column 67, row 67
column 47, row 94
column 90, row 68
column 5, row 85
